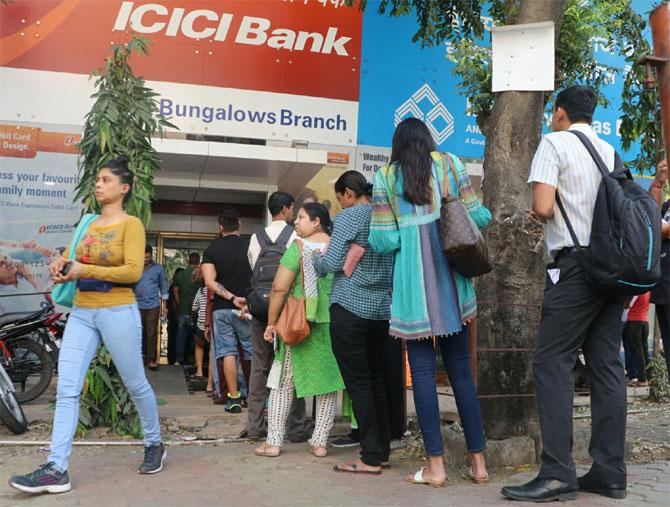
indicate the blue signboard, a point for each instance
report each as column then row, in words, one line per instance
column 400, row 79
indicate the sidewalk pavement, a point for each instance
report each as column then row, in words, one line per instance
column 229, row 474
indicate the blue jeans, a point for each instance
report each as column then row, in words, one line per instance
column 120, row 329
column 228, row 330
column 183, row 330
column 456, row 357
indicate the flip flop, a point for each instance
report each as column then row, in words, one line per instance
column 263, row 451
column 353, row 469
column 477, row 480
column 418, row 479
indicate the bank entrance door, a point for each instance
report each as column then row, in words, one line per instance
column 173, row 250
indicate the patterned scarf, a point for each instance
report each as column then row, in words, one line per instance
column 309, row 277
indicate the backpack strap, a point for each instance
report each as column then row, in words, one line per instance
column 600, row 164
column 567, row 220
column 285, row 235
column 263, row 238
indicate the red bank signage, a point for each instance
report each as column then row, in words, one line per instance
column 301, row 47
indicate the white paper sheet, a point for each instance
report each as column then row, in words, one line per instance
column 523, row 57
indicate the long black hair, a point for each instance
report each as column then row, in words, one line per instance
column 412, row 145
column 316, row 210
column 119, row 167
column 354, row 181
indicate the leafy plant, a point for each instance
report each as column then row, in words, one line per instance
column 105, row 400
column 438, row 20
column 611, row 23
column 640, row 105
column 659, row 387
column 121, row 122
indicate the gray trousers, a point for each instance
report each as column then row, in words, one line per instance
column 261, row 362
column 576, row 315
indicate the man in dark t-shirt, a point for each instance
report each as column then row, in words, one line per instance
column 227, row 274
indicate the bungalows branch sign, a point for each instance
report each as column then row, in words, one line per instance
column 269, row 70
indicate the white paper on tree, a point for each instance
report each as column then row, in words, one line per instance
column 523, row 57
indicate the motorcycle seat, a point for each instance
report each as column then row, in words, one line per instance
column 15, row 318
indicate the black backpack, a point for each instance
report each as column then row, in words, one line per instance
column 263, row 274
column 623, row 258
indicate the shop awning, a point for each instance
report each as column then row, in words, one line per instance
column 193, row 169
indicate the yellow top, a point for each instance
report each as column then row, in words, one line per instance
column 111, row 253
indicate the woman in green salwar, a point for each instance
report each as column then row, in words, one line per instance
column 309, row 367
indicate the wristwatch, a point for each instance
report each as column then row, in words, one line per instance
column 232, row 298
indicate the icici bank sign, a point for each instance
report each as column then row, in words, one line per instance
column 155, row 18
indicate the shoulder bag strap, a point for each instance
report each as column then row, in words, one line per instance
column 302, row 270
column 448, row 162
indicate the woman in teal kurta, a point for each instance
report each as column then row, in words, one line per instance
column 309, row 367
column 430, row 298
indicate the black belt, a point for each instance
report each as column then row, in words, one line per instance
column 567, row 250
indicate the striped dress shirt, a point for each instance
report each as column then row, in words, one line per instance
column 562, row 161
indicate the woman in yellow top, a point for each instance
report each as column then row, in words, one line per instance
column 109, row 260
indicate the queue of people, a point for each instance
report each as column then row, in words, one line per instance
column 339, row 292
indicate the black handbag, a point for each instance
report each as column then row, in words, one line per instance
column 462, row 242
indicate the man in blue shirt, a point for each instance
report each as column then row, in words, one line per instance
column 152, row 294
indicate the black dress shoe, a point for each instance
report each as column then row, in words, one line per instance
column 541, row 490
column 589, row 484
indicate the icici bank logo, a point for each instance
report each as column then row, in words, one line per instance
column 206, row 24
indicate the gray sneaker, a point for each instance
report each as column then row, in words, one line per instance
column 153, row 459
column 46, row 479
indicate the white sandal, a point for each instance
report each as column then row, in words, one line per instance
column 418, row 479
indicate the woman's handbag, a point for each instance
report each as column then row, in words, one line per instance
column 462, row 242
column 292, row 325
column 63, row 293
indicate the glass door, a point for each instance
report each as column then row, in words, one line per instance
column 172, row 253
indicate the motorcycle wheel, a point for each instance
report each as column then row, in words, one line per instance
column 30, row 368
column 11, row 412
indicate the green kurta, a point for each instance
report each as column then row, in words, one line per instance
column 315, row 369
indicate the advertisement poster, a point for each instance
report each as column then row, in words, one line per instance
column 38, row 175
column 266, row 70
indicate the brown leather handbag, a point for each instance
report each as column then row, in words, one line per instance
column 462, row 242
column 292, row 324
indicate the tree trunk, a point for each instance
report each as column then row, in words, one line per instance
column 510, row 297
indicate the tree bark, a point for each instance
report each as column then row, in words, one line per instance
column 510, row 296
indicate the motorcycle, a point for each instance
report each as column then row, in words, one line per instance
column 11, row 412
column 24, row 338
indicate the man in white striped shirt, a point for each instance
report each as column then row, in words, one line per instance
column 574, row 315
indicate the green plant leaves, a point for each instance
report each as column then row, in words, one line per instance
column 105, row 400
column 122, row 121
